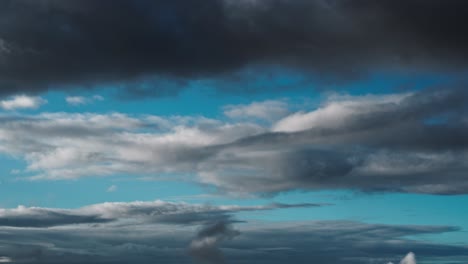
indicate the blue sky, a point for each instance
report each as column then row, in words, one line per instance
column 200, row 100
column 227, row 131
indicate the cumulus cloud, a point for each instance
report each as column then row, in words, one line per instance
column 87, row 43
column 76, row 145
column 22, row 102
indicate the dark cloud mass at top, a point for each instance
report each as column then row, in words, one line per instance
column 49, row 43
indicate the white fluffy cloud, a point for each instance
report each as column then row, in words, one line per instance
column 65, row 146
column 410, row 258
column 22, row 102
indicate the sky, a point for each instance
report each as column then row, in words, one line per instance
column 233, row 131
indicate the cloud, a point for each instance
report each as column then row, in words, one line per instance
column 410, row 258
column 44, row 217
column 399, row 142
column 22, row 102
column 267, row 110
column 75, row 100
column 87, row 43
column 215, row 222
column 157, row 212
column 109, row 143
column 337, row 112
column 206, row 243
column 333, row 242
column 112, row 188
column 5, row 260
column 81, row 100
column 368, row 143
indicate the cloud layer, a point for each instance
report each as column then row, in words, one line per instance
column 140, row 232
column 215, row 223
column 408, row 142
column 56, row 43
column 153, row 212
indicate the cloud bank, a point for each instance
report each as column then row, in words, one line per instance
column 215, row 223
column 67, row 43
column 138, row 235
column 406, row 142
column 153, row 212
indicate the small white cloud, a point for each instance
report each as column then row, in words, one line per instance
column 5, row 260
column 98, row 98
column 75, row 100
column 267, row 110
column 112, row 188
column 22, row 102
column 4, row 47
column 15, row 171
column 410, row 258
column 81, row 100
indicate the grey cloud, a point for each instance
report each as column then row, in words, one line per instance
column 261, row 242
column 47, row 218
column 205, row 246
column 57, row 44
column 135, row 218
column 151, row 212
column 407, row 142
column 365, row 143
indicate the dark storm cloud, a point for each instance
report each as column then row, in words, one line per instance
column 51, row 43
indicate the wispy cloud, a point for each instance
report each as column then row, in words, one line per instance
column 155, row 212
column 112, row 188
column 81, row 100
column 268, row 110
